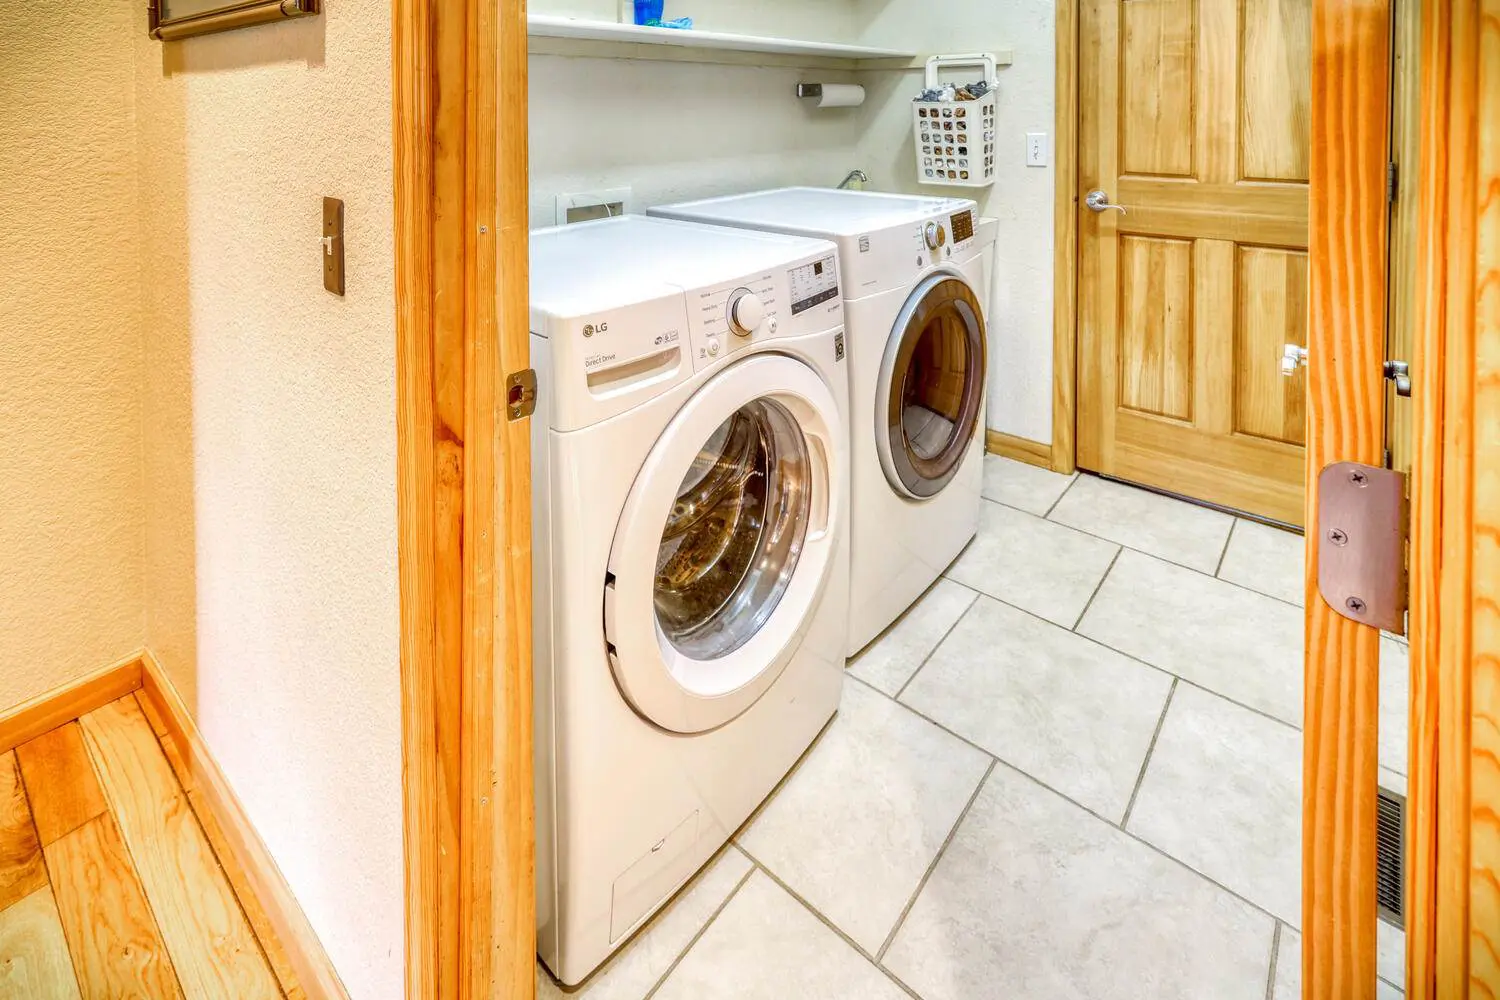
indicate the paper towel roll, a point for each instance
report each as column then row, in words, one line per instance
column 840, row 95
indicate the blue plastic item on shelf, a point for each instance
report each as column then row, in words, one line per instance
column 648, row 12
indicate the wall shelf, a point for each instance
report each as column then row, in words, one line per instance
column 633, row 41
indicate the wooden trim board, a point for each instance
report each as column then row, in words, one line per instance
column 207, row 787
column 463, row 497
column 1064, row 454
column 62, row 705
column 1453, row 939
column 1018, row 448
column 1346, row 422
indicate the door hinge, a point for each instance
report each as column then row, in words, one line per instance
column 1392, row 182
column 1362, row 544
column 520, row 394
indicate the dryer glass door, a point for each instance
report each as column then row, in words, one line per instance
column 931, row 388
column 724, row 544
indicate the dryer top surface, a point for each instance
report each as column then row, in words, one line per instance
column 817, row 211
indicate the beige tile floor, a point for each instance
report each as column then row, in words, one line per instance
column 1072, row 770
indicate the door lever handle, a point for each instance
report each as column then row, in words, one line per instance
column 1099, row 202
column 1294, row 356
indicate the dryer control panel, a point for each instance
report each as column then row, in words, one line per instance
column 782, row 302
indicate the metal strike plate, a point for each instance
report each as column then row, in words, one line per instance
column 1362, row 544
column 520, row 394
column 333, row 245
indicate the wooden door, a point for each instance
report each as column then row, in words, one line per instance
column 1194, row 118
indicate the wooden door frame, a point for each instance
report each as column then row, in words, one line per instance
column 1065, row 243
column 1347, row 298
column 1453, row 901
column 463, row 497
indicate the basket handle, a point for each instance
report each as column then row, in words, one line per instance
column 985, row 59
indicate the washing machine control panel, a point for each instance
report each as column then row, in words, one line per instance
column 780, row 302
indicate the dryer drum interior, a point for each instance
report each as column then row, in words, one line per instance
column 732, row 541
column 934, row 377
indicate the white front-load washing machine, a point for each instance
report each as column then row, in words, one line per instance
column 915, row 287
column 690, row 470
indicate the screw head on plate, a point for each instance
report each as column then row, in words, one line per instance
column 1356, row 605
column 1337, row 536
column 1358, row 478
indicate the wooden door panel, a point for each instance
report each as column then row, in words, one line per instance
column 1275, row 83
column 1156, row 326
column 1187, row 298
column 1156, row 80
column 1271, row 312
column 1263, row 476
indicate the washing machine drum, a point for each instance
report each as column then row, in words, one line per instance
column 931, row 389
column 724, row 545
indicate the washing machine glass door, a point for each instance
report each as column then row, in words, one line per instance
column 931, row 388
column 725, row 543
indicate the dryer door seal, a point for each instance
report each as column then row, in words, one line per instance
column 931, row 390
column 725, row 544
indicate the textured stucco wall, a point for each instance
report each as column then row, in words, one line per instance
column 70, row 347
column 1021, row 197
column 271, row 454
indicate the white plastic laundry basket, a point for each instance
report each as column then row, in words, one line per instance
column 955, row 140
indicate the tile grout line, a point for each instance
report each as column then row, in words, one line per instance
column 1228, row 540
column 825, row 921
column 1097, row 587
column 702, row 930
column 1075, row 803
column 1140, row 779
column 1129, row 656
column 1066, row 490
column 952, row 832
column 1275, row 958
column 937, row 645
column 1149, row 555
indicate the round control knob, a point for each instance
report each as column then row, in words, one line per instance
column 713, row 348
column 936, row 235
column 746, row 312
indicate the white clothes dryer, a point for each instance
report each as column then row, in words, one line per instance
column 690, row 470
column 916, row 297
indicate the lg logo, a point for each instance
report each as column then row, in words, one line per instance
column 590, row 329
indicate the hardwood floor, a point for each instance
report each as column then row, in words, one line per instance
column 112, row 883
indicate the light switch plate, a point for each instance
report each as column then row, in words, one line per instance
column 333, row 245
column 1036, row 149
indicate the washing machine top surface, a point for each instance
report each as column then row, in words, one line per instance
column 591, row 267
column 817, row 211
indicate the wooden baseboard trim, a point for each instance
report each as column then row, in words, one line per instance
column 265, row 887
column 62, row 705
column 1018, row 448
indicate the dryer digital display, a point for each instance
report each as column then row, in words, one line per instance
column 814, row 284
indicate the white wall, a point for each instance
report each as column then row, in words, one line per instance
column 675, row 130
column 271, row 448
column 1021, row 198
